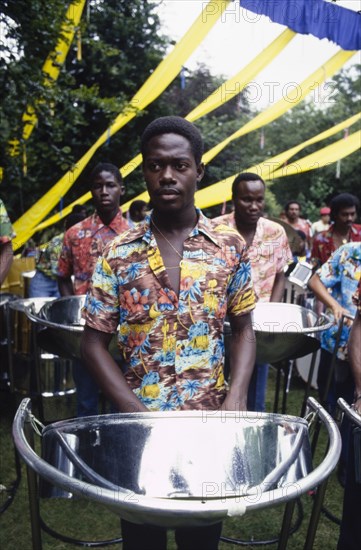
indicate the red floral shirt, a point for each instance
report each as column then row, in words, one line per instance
column 323, row 245
column 82, row 246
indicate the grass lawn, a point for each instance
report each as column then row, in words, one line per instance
column 87, row 521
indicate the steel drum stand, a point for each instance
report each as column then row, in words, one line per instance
column 323, row 509
column 37, row 523
column 23, row 428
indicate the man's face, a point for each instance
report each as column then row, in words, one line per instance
column 171, row 173
column 249, row 202
column 293, row 212
column 346, row 216
column 106, row 192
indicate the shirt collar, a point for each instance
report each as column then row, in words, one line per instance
column 144, row 231
column 96, row 219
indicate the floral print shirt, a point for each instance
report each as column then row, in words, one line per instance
column 172, row 345
column 48, row 259
column 268, row 254
column 341, row 275
column 6, row 229
column 83, row 243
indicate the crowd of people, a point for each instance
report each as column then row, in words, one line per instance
column 164, row 280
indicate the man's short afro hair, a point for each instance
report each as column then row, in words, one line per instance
column 174, row 125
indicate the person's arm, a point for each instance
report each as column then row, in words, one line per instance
column 6, row 258
column 65, row 286
column 106, row 372
column 242, row 360
column 321, row 292
column 278, row 287
column 354, row 355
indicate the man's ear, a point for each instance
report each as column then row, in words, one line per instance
column 122, row 190
column 200, row 171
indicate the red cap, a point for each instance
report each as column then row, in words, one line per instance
column 325, row 210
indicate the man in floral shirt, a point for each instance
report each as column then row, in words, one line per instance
column 341, row 231
column 83, row 244
column 334, row 284
column 269, row 253
column 165, row 288
column 6, row 236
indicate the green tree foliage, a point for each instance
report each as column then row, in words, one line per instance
column 121, row 46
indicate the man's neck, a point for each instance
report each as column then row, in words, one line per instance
column 174, row 221
column 342, row 230
column 107, row 217
column 247, row 231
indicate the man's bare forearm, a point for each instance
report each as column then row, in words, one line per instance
column 242, row 360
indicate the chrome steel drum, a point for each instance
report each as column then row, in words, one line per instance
column 182, row 468
column 55, row 373
column 63, row 327
column 20, row 323
column 284, row 331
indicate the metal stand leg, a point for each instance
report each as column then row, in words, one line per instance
column 309, row 381
column 33, row 495
column 286, row 525
column 283, row 368
column 315, row 516
column 37, row 360
column 278, row 367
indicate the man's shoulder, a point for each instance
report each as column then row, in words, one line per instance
column 224, row 233
column 271, row 227
column 128, row 237
column 227, row 219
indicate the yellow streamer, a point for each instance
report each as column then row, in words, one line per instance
column 236, row 84
column 55, row 60
column 166, row 71
column 328, row 155
column 283, row 105
column 224, row 93
column 222, row 191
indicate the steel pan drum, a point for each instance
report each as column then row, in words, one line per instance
column 178, row 468
column 55, row 373
column 284, row 331
column 63, row 327
column 19, row 321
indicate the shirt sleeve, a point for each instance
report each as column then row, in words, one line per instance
column 101, row 309
column 241, row 296
column 285, row 257
column 65, row 263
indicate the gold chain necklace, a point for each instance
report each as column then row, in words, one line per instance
column 165, row 238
